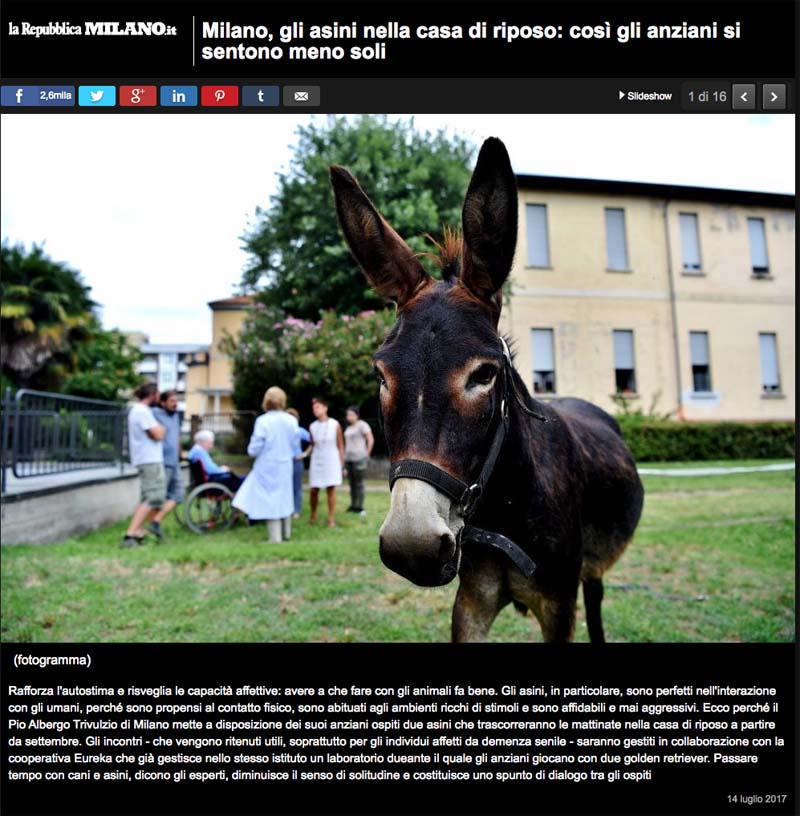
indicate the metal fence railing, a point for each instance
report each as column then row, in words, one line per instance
column 44, row 433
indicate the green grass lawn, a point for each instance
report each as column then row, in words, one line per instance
column 713, row 560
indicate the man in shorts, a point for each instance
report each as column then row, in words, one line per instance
column 166, row 414
column 145, row 438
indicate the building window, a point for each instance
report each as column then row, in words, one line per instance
column 624, row 367
column 538, row 245
column 701, row 366
column 770, row 378
column 758, row 247
column 615, row 239
column 690, row 242
column 167, row 370
column 544, row 367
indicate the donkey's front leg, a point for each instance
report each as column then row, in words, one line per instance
column 479, row 599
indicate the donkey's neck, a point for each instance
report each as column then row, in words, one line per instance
column 515, row 479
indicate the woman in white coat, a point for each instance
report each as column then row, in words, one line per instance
column 267, row 492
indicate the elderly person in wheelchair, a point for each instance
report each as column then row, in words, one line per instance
column 221, row 474
column 209, row 505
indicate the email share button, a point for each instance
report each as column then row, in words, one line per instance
column 301, row 96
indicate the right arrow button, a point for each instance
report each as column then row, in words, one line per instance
column 773, row 97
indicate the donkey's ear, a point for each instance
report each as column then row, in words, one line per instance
column 490, row 224
column 389, row 263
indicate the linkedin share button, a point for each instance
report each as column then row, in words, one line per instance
column 178, row 96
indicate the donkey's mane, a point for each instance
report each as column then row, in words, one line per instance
column 449, row 250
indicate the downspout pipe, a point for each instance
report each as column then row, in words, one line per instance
column 673, row 309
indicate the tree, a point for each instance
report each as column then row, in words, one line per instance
column 263, row 354
column 45, row 310
column 299, row 259
column 335, row 360
column 51, row 337
column 330, row 358
column 105, row 366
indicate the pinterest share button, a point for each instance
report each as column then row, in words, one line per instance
column 219, row 96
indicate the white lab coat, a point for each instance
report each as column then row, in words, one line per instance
column 268, row 491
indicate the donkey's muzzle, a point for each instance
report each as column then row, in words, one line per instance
column 416, row 540
column 425, row 563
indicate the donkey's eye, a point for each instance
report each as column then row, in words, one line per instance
column 482, row 376
column 379, row 377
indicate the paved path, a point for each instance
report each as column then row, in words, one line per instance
column 15, row 485
column 714, row 471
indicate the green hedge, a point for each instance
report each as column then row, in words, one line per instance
column 696, row 441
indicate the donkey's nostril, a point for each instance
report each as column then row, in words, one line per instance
column 447, row 548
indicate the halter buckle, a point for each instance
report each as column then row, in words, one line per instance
column 506, row 350
column 470, row 499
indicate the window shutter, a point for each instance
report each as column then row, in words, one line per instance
column 542, row 349
column 690, row 242
column 758, row 243
column 538, row 248
column 615, row 239
column 769, row 360
column 698, row 342
column 623, row 349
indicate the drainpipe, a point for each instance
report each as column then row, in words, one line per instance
column 5, row 453
column 673, row 309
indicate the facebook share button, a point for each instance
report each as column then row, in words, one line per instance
column 20, row 96
column 57, row 95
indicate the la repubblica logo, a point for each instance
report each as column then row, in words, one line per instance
column 106, row 28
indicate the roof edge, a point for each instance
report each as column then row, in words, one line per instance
column 232, row 304
column 653, row 190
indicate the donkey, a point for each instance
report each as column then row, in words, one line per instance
column 522, row 500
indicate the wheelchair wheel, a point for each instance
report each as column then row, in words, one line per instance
column 179, row 513
column 209, row 508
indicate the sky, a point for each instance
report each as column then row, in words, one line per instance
column 150, row 209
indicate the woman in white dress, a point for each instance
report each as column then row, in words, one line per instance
column 267, row 492
column 327, row 458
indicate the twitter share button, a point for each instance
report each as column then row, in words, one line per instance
column 97, row 96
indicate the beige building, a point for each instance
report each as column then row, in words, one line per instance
column 209, row 380
column 678, row 297
column 167, row 364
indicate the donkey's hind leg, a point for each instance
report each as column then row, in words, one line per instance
column 592, row 600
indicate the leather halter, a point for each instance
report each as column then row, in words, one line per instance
column 468, row 496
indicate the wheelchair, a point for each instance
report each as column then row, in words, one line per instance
column 208, row 506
